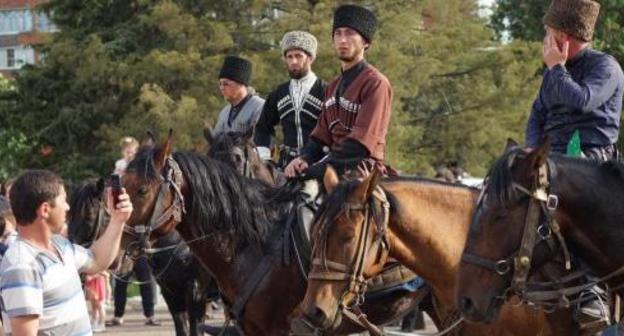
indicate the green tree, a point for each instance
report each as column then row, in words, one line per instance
column 128, row 66
column 522, row 19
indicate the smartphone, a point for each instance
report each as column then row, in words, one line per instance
column 115, row 184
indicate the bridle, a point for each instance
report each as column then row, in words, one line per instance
column 542, row 204
column 335, row 271
column 170, row 185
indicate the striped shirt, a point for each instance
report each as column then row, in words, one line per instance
column 36, row 282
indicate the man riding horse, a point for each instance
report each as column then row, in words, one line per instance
column 356, row 112
column 295, row 104
column 582, row 88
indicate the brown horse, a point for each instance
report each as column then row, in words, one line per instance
column 575, row 199
column 423, row 224
column 236, row 227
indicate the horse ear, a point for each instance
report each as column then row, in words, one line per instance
column 149, row 140
column 368, row 185
column 208, row 135
column 247, row 136
column 164, row 152
column 330, row 179
column 540, row 155
column 511, row 144
column 100, row 185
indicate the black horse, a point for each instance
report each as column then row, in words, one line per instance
column 177, row 272
column 531, row 197
column 238, row 151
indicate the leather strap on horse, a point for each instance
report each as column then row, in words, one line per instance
column 522, row 263
column 355, row 315
column 172, row 180
column 249, row 288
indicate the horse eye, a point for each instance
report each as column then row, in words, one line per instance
column 143, row 191
column 502, row 213
column 348, row 238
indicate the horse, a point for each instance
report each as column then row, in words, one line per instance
column 423, row 224
column 175, row 269
column 530, row 195
column 239, row 229
column 239, row 151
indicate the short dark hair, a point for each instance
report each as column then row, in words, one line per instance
column 30, row 190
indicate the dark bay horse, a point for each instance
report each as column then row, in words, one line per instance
column 176, row 271
column 423, row 224
column 238, row 229
column 238, row 151
column 579, row 198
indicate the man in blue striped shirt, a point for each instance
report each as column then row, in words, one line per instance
column 39, row 274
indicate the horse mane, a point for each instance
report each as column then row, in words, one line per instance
column 333, row 205
column 501, row 181
column 222, row 200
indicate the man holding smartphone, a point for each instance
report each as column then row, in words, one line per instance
column 39, row 275
column 582, row 88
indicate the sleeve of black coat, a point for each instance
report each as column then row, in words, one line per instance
column 269, row 118
column 348, row 155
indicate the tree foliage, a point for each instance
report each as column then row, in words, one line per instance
column 522, row 19
column 128, row 66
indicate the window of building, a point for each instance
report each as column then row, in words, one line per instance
column 44, row 23
column 16, row 57
column 10, row 58
column 15, row 21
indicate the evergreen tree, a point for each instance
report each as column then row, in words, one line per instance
column 134, row 65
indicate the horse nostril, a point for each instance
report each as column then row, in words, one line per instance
column 318, row 317
column 465, row 305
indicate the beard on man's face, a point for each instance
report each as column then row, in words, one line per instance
column 297, row 73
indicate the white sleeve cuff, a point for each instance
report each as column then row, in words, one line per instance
column 264, row 152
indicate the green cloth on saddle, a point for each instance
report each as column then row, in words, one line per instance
column 574, row 145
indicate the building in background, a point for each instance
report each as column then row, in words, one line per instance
column 21, row 25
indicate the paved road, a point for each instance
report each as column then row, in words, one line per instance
column 134, row 322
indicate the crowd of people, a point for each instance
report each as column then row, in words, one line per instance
column 342, row 123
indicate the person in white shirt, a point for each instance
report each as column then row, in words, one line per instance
column 129, row 147
column 40, row 284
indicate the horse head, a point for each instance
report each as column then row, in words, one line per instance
column 498, row 254
column 154, row 183
column 237, row 150
column 86, row 218
column 349, row 247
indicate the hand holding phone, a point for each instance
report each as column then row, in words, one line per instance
column 115, row 185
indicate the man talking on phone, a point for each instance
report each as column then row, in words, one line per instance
column 581, row 92
column 39, row 275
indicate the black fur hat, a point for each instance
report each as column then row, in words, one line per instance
column 237, row 69
column 358, row 18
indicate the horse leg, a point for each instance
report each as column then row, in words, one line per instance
column 176, row 309
column 196, row 300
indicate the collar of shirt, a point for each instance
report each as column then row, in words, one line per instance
column 235, row 109
column 579, row 56
column 299, row 88
column 349, row 76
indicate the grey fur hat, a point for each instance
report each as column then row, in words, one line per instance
column 573, row 17
column 299, row 40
